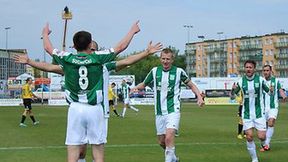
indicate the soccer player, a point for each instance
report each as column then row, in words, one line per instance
column 167, row 80
column 84, row 92
column 252, row 86
column 118, row 65
column 27, row 96
column 271, row 104
column 111, row 97
column 125, row 89
column 239, row 98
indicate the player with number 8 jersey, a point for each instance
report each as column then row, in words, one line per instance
column 84, row 75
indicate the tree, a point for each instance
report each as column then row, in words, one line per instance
column 37, row 72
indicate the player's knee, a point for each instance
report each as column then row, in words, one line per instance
column 82, row 155
column 262, row 137
column 168, row 140
column 162, row 144
column 271, row 123
column 249, row 138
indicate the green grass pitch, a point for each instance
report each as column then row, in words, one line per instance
column 206, row 135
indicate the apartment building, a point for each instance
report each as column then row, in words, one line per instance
column 8, row 68
column 222, row 58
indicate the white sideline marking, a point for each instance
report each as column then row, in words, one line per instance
column 278, row 141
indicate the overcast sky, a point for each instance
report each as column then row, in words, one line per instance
column 160, row 20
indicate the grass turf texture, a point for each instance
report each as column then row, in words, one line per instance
column 206, row 135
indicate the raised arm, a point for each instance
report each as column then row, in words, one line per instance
column 24, row 59
column 124, row 43
column 196, row 91
column 46, row 41
column 151, row 49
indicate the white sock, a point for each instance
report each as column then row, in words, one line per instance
column 269, row 135
column 252, row 149
column 124, row 111
column 134, row 108
column 81, row 160
column 170, row 154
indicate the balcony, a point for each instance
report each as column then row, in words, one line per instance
column 281, row 66
column 243, row 58
column 214, row 60
column 190, row 52
column 215, row 49
column 281, row 44
column 250, row 47
column 215, row 69
column 281, row 55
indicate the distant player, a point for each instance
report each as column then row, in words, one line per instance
column 111, row 97
column 239, row 98
column 125, row 89
column 271, row 104
column 27, row 96
column 252, row 86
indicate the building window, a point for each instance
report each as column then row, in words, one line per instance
column 271, row 52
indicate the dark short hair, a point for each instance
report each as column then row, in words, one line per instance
column 250, row 62
column 81, row 40
column 270, row 67
column 113, row 84
column 28, row 79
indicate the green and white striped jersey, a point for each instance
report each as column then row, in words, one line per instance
column 83, row 75
column 166, row 88
column 125, row 90
column 252, row 90
column 271, row 101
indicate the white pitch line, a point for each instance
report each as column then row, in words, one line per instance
column 279, row 141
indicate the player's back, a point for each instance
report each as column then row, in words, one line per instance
column 83, row 76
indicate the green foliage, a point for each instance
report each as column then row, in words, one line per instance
column 141, row 68
column 37, row 72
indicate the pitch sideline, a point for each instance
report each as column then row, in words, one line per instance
column 278, row 141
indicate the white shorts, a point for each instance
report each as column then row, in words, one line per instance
column 271, row 114
column 86, row 124
column 259, row 124
column 126, row 101
column 164, row 122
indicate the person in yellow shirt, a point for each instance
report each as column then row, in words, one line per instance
column 111, row 97
column 27, row 97
column 239, row 99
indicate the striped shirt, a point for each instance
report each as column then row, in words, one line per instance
column 252, row 90
column 271, row 101
column 166, row 88
column 84, row 77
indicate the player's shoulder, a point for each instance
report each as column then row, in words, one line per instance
column 104, row 52
column 60, row 53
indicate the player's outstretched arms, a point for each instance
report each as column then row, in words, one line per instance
column 124, row 43
column 24, row 59
column 151, row 49
column 46, row 41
